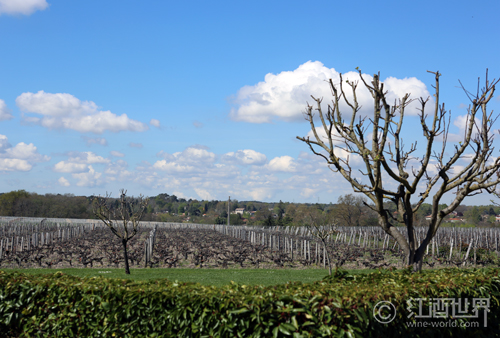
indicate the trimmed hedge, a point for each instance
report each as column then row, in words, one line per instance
column 60, row 305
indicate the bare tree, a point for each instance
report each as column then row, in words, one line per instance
column 123, row 220
column 320, row 225
column 386, row 165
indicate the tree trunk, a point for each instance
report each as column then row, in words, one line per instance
column 125, row 256
column 418, row 258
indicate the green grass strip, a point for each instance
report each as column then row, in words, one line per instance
column 214, row 277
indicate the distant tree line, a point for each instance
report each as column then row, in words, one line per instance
column 350, row 210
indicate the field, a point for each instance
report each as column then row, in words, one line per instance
column 216, row 280
column 65, row 244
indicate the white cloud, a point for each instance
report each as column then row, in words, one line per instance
column 155, row 123
column 181, row 195
column 284, row 96
column 70, row 167
column 25, row 7
column 135, row 145
column 117, row 171
column 97, row 140
column 461, row 122
column 64, row 111
column 63, row 182
column 89, row 179
column 308, row 192
column 86, row 157
column 116, row 154
column 323, row 136
column 14, row 164
column 260, row 194
column 4, row 111
column 172, row 167
column 198, row 124
column 21, row 157
column 26, row 152
column 79, row 162
column 194, row 158
column 245, row 157
column 205, row 195
column 283, row 163
column 197, row 171
column 4, row 143
column 196, row 155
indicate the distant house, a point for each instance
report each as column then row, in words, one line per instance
column 428, row 217
column 239, row 211
column 497, row 218
column 456, row 219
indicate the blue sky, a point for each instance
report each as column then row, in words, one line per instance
column 166, row 97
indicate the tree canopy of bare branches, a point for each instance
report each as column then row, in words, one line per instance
column 377, row 140
column 321, row 226
column 123, row 220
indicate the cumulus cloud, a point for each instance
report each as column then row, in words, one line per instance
column 4, row 143
column 86, row 157
column 193, row 154
column 117, row 171
column 63, row 182
column 91, row 178
column 70, row 167
column 20, row 157
column 284, row 96
column 260, row 194
column 245, row 157
column 173, row 167
column 155, row 123
column 283, row 163
column 5, row 112
column 79, row 162
column 205, row 195
column 308, row 192
column 97, row 140
column 245, row 175
column 25, row 7
column 64, row 111
column 323, row 136
column 461, row 122
column 192, row 159
column 198, row 124
column 14, row 164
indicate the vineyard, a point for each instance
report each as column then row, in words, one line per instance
column 62, row 243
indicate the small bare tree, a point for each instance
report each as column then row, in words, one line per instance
column 320, row 225
column 123, row 220
column 386, row 165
